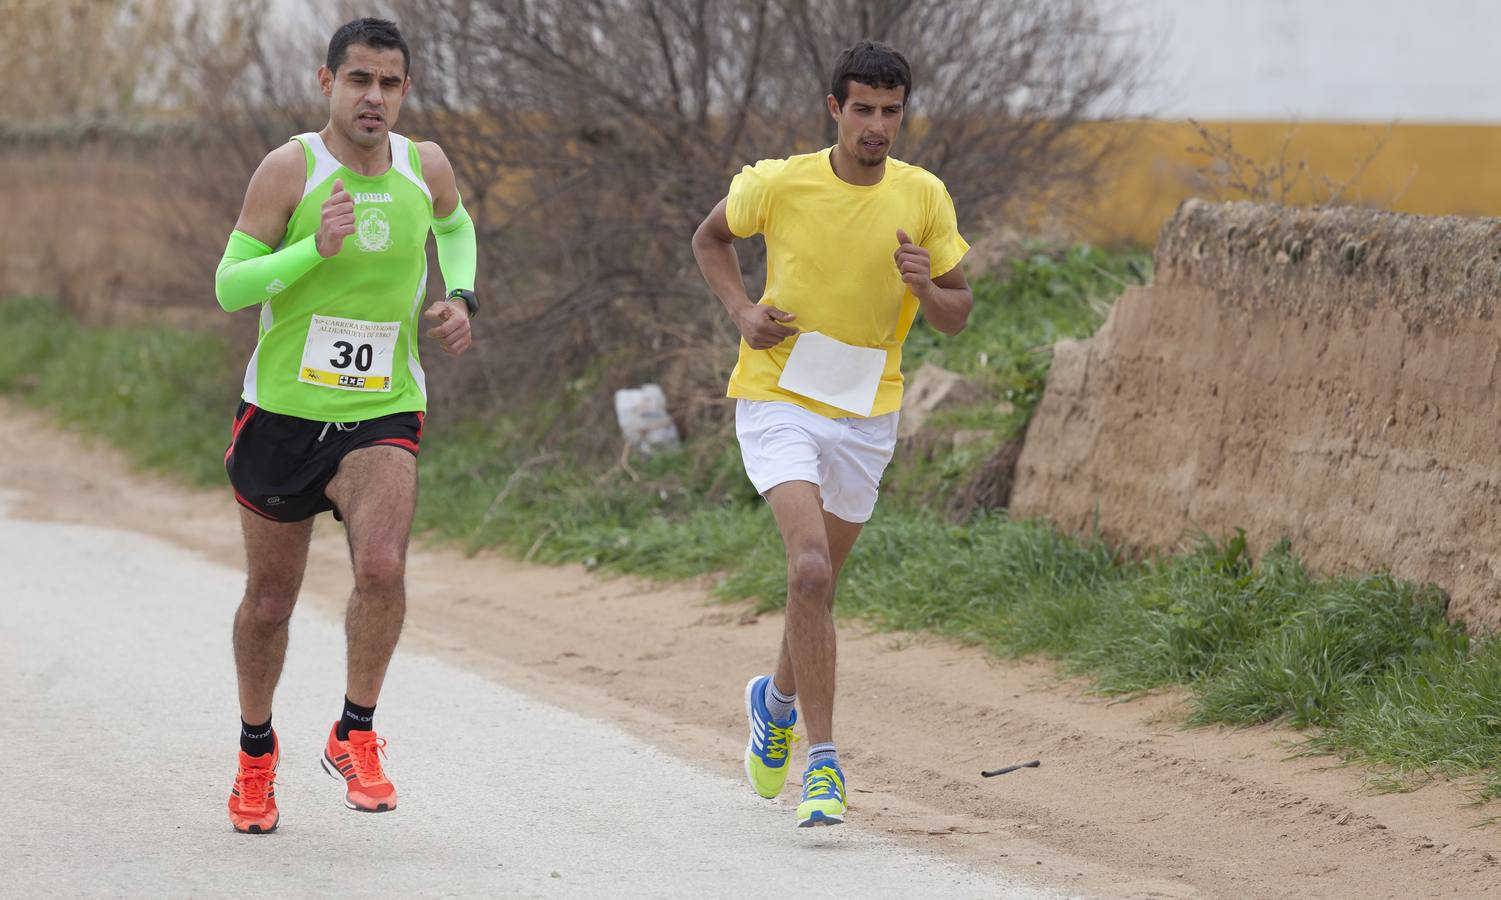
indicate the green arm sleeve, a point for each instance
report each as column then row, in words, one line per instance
column 457, row 254
column 251, row 273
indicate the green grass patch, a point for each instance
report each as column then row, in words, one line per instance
column 164, row 395
column 1367, row 664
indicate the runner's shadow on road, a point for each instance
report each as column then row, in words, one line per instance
column 823, row 843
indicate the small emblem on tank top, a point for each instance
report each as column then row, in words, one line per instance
column 374, row 231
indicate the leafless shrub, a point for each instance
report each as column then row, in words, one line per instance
column 150, row 115
column 74, row 70
column 1226, row 173
column 81, row 60
column 591, row 136
column 249, row 85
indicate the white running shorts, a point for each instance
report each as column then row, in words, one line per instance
column 782, row 442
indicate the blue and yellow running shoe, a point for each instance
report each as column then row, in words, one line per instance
column 766, row 751
column 823, row 796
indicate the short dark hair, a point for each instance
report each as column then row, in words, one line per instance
column 382, row 34
column 873, row 64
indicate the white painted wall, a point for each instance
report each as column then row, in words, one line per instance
column 1320, row 60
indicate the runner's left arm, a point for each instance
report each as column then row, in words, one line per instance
column 453, row 229
column 453, row 232
column 945, row 298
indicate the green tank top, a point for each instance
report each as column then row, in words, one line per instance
column 340, row 343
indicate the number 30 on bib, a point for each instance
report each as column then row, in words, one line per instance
column 349, row 354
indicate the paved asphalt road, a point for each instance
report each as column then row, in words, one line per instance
column 117, row 722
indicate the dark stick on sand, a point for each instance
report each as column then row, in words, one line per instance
column 1026, row 765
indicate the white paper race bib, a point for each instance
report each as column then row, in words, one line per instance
column 349, row 354
column 829, row 371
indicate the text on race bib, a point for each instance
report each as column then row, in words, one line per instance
column 349, row 354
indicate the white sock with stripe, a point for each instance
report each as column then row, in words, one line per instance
column 780, row 705
column 822, row 754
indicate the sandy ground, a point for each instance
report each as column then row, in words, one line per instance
column 1125, row 804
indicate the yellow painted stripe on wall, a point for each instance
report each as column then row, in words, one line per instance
column 1426, row 169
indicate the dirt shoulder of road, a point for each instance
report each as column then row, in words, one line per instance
column 1126, row 803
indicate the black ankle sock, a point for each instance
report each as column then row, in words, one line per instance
column 256, row 740
column 356, row 718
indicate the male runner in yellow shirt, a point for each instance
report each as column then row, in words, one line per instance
column 857, row 243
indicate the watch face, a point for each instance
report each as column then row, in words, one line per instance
column 470, row 302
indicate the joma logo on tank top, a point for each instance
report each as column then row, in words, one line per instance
column 372, row 198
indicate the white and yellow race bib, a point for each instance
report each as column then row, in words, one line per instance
column 349, row 354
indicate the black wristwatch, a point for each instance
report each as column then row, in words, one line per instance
column 471, row 302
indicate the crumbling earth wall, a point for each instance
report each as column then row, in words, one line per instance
column 1326, row 376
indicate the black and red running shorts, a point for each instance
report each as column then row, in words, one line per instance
column 279, row 466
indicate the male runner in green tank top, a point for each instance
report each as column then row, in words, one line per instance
column 331, row 246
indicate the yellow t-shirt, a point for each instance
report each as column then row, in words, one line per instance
column 829, row 249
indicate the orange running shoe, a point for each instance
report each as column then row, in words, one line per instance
column 252, row 802
column 356, row 762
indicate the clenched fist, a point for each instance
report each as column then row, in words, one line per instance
column 451, row 325
column 763, row 327
column 337, row 222
column 914, row 265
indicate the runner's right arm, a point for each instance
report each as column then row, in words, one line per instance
column 714, row 247
column 251, row 272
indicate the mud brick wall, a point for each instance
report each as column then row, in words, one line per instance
column 1327, row 376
